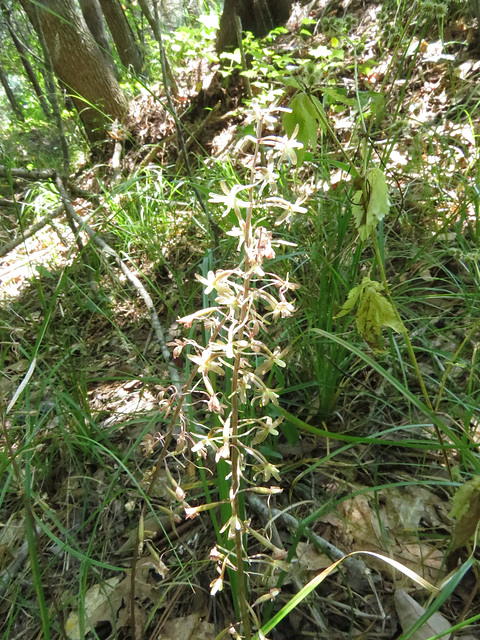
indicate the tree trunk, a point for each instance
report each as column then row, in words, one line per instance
column 257, row 16
column 79, row 64
column 122, row 34
column 93, row 17
column 22, row 52
column 143, row 4
column 17, row 109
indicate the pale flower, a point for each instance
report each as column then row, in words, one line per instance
column 266, row 176
column 216, row 586
column 238, row 232
column 206, row 362
column 272, row 426
column 290, row 208
column 285, row 284
column 198, row 315
column 267, row 470
column 264, row 114
column 223, row 453
column 215, row 555
column 263, row 244
column 283, row 309
column 233, row 524
column 191, row 512
column 278, row 308
column 285, row 146
column 242, row 387
column 215, row 281
column 228, row 299
column 273, row 358
column 230, row 199
column 268, row 395
column 214, row 405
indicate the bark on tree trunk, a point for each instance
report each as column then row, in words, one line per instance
column 93, row 17
column 257, row 16
column 22, row 52
column 143, row 4
column 122, row 34
column 17, row 109
column 79, row 64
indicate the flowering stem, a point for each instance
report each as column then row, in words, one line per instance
column 234, row 449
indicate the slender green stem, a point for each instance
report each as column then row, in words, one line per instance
column 446, row 373
column 411, row 351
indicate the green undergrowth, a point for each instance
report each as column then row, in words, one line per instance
column 326, row 344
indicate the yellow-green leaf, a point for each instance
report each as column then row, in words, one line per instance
column 370, row 204
column 304, row 115
column 463, row 497
column 375, row 312
column 351, row 300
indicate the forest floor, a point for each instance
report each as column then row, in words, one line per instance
column 365, row 464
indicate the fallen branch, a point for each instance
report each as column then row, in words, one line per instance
column 31, row 231
column 27, row 174
column 131, row 277
column 357, row 571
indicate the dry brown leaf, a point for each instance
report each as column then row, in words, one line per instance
column 109, row 602
column 187, row 628
column 101, row 603
column 409, row 611
column 310, row 558
column 406, row 507
column 385, row 532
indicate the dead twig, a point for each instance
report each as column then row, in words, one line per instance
column 357, row 571
column 27, row 174
column 132, row 278
column 31, row 231
column 71, row 222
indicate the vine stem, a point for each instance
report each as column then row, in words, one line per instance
column 411, row 352
column 454, row 358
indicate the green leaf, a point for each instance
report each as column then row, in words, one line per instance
column 291, row 82
column 379, row 204
column 370, row 204
column 374, row 311
column 351, row 301
column 336, row 96
column 270, row 453
column 304, row 115
column 290, row 432
column 463, row 497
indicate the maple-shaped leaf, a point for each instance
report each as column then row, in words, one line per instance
column 374, row 311
column 370, row 204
